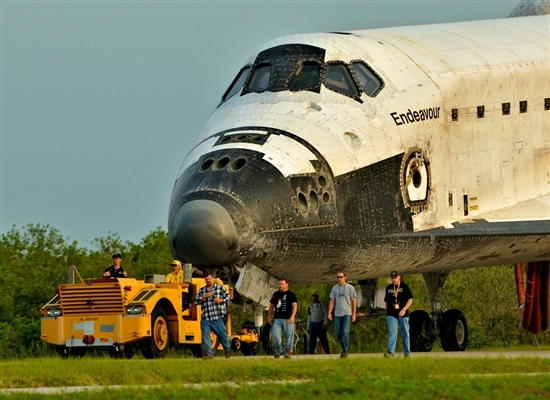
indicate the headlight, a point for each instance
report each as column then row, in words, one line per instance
column 134, row 309
column 54, row 312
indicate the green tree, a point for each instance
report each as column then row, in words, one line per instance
column 34, row 262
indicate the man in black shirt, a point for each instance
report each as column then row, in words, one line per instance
column 115, row 270
column 282, row 311
column 398, row 300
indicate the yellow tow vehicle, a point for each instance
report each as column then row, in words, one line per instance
column 121, row 315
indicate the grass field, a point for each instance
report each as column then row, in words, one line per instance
column 356, row 377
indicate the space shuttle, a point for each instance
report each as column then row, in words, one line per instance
column 418, row 148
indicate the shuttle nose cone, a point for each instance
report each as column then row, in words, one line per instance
column 202, row 233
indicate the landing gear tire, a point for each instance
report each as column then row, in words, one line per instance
column 454, row 331
column 421, row 326
column 266, row 339
column 156, row 345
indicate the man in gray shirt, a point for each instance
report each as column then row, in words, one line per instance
column 317, row 324
column 343, row 300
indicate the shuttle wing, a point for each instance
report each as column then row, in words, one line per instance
column 527, row 218
column 532, row 210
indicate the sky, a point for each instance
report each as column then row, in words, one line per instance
column 101, row 100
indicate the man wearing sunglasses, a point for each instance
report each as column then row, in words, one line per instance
column 343, row 300
column 115, row 270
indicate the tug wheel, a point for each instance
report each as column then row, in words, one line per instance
column 156, row 345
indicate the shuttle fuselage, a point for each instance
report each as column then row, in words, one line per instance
column 421, row 148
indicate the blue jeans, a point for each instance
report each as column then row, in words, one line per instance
column 288, row 328
column 392, row 330
column 342, row 326
column 218, row 327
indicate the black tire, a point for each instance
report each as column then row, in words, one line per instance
column 236, row 344
column 265, row 337
column 250, row 348
column 454, row 331
column 421, row 326
column 157, row 344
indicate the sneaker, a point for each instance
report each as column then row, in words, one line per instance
column 276, row 355
column 407, row 355
column 228, row 354
column 287, row 354
column 343, row 355
column 207, row 357
column 388, row 355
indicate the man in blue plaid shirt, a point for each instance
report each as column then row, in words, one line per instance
column 213, row 298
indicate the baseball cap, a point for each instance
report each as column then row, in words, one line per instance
column 394, row 274
column 315, row 294
column 176, row 262
column 116, row 255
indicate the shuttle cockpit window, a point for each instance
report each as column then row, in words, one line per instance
column 306, row 76
column 339, row 79
column 370, row 83
column 237, row 84
column 260, row 78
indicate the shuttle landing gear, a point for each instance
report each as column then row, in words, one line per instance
column 421, row 331
column 450, row 326
column 453, row 332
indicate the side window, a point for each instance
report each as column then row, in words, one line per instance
column 260, row 78
column 339, row 79
column 237, row 84
column 306, row 76
column 369, row 81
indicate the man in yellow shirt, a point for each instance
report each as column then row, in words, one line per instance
column 177, row 275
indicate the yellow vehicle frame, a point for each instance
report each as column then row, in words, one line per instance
column 119, row 314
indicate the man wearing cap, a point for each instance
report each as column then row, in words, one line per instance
column 398, row 300
column 176, row 276
column 115, row 270
column 343, row 301
column 317, row 322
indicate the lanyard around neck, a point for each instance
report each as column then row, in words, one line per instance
column 396, row 291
